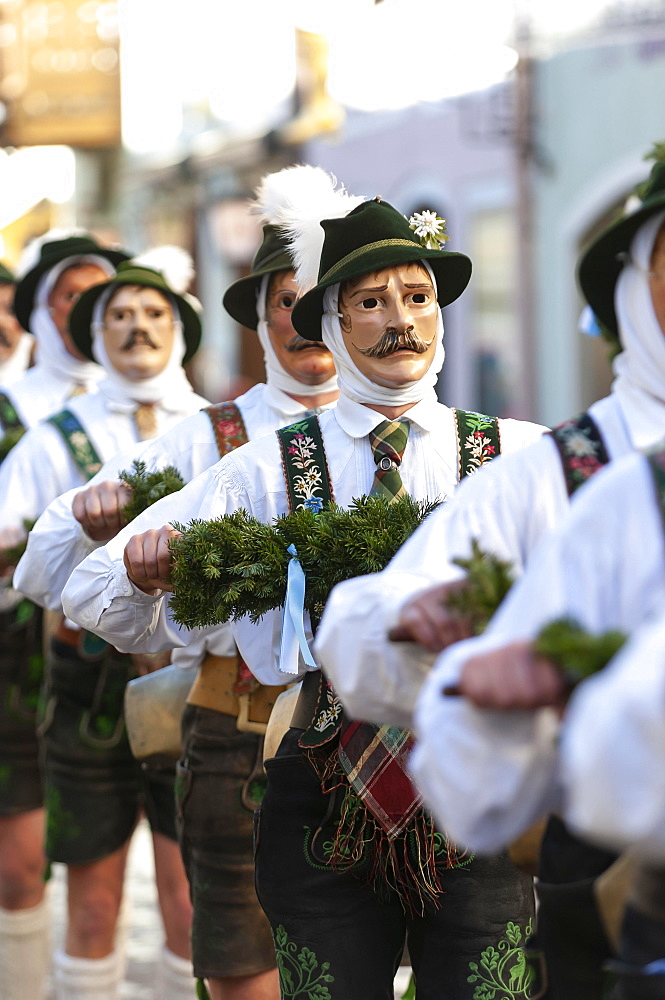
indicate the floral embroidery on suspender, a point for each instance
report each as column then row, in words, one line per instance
column 581, row 448
column 11, row 426
column 228, row 425
column 80, row 446
column 304, row 464
column 308, row 485
column 478, row 441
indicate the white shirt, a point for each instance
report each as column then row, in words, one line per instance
column 519, row 497
column 604, row 567
column 100, row 597
column 57, row 543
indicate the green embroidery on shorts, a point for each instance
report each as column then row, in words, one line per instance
column 503, row 971
column 300, row 976
column 60, row 822
column 456, row 856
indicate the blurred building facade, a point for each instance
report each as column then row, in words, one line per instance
column 524, row 173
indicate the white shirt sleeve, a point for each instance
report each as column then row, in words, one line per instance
column 613, row 747
column 602, row 568
column 100, row 597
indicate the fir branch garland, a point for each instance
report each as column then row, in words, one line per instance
column 148, row 487
column 235, row 565
column 488, row 580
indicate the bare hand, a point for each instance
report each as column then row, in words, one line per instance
column 425, row 619
column 148, row 559
column 99, row 509
column 512, row 677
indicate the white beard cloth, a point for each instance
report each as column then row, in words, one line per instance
column 356, row 385
column 165, row 388
column 640, row 368
column 275, row 374
column 51, row 351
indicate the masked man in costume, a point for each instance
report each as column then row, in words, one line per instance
column 53, row 271
column 377, row 304
column 16, row 346
column 517, row 501
column 232, row 944
column 607, row 751
column 141, row 331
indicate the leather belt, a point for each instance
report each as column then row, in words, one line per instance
column 214, row 688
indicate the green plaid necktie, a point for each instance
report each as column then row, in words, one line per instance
column 374, row 758
column 388, row 441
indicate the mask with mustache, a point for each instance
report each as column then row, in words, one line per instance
column 298, row 343
column 392, row 340
column 139, row 337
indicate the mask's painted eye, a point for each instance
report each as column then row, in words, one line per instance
column 369, row 303
column 287, row 301
column 419, row 298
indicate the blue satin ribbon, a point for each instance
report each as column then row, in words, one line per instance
column 293, row 638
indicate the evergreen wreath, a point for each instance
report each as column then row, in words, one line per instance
column 234, row 566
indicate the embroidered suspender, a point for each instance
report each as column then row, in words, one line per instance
column 581, row 449
column 656, row 459
column 79, row 444
column 228, row 425
column 478, row 441
column 12, row 426
column 304, row 464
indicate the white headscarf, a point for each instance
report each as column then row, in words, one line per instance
column 166, row 388
column 356, row 385
column 640, row 368
column 275, row 374
column 51, row 351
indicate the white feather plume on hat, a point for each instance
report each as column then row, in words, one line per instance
column 174, row 263
column 297, row 199
column 31, row 252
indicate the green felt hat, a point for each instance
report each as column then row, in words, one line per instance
column 50, row 254
column 129, row 273
column 371, row 237
column 6, row 276
column 272, row 256
column 603, row 261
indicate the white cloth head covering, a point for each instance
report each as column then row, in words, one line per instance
column 275, row 374
column 51, row 351
column 356, row 385
column 166, row 388
column 640, row 368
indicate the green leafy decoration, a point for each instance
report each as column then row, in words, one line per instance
column 300, row 977
column 503, row 972
column 488, row 580
column 235, row 565
column 576, row 652
column 148, row 487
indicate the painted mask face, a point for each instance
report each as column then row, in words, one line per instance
column 308, row 361
column 389, row 324
column 657, row 278
column 62, row 297
column 138, row 331
column 10, row 328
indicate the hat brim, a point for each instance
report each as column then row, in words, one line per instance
column 452, row 271
column 240, row 297
column 601, row 265
column 26, row 288
column 81, row 316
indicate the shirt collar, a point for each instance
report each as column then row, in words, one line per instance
column 358, row 420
